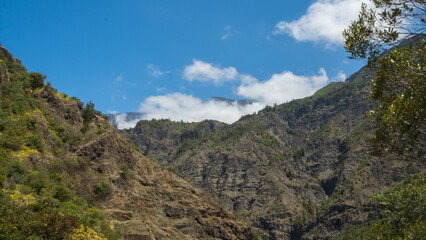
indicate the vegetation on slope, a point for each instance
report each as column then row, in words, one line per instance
column 37, row 200
column 65, row 173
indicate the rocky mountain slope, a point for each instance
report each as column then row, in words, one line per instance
column 300, row 170
column 62, row 165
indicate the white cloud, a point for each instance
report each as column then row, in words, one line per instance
column 178, row 106
column 206, row 72
column 123, row 123
column 225, row 36
column 119, row 78
column 323, row 22
column 154, row 70
column 247, row 79
column 278, row 89
column 228, row 33
column 283, row 87
column 341, row 76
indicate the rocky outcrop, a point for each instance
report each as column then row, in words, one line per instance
column 155, row 203
column 296, row 168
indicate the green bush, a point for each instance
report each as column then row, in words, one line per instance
column 16, row 170
column 102, row 189
column 34, row 142
column 36, row 80
column 124, row 168
column 24, row 222
column 63, row 194
column 89, row 112
column 402, row 210
column 37, row 180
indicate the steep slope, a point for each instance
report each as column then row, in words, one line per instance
column 296, row 168
column 65, row 161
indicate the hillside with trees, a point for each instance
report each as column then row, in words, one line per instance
column 66, row 173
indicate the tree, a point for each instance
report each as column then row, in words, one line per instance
column 36, row 80
column 89, row 112
column 391, row 37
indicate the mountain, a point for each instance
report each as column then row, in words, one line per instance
column 300, row 170
column 65, row 172
column 241, row 102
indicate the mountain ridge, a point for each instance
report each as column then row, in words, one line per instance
column 293, row 171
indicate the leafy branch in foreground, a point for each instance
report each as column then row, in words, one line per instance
column 397, row 28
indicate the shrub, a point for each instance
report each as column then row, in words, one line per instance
column 38, row 180
column 89, row 112
column 124, row 168
column 34, row 142
column 36, row 80
column 84, row 233
column 62, row 193
column 16, row 170
column 102, row 189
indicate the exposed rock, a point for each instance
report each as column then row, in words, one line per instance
column 67, row 109
column 156, row 203
column 279, row 169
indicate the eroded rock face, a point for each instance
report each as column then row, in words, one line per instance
column 153, row 202
column 67, row 109
column 281, row 168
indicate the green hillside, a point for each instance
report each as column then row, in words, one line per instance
column 66, row 173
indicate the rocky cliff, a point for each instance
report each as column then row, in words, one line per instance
column 297, row 170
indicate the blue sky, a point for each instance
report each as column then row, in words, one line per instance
column 167, row 58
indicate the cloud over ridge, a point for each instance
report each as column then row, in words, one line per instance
column 278, row 89
column 178, row 106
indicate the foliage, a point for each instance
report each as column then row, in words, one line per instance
column 124, row 168
column 29, row 222
column 402, row 213
column 399, row 85
column 84, row 233
column 89, row 112
column 36, row 80
column 403, row 210
column 385, row 26
column 102, row 189
column 39, row 196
